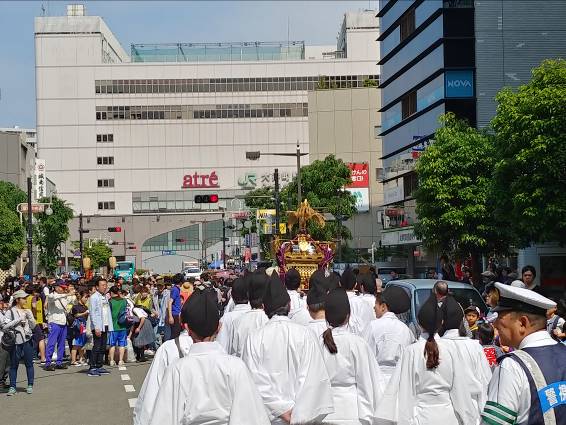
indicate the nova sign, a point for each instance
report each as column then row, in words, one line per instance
column 200, row 181
column 459, row 83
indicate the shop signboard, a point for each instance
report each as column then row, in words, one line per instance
column 459, row 83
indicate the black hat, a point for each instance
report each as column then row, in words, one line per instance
column 317, row 288
column 396, row 299
column 337, row 307
column 200, row 313
column 292, row 279
column 257, row 282
column 276, row 295
column 452, row 313
column 240, row 289
column 428, row 315
column 348, row 279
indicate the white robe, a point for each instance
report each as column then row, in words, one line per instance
column 317, row 326
column 208, row 387
column 418, row 396
column 360, row 313
column 299, row 312
column 370, row 299
column 472, row 357
column 243, row 326
column 166, row 354
column 357, row 384
column 286, row 364
column 224, row 337
column 388, row 337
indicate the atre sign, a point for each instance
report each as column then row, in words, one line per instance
column 200, row 181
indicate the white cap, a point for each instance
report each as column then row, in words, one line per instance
column 512, row 298
column 518, row 284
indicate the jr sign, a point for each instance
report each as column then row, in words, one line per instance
column 200, row 181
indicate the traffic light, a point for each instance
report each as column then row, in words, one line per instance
column 114, row 229
column 206, row 199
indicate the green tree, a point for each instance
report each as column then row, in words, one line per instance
column 530, row 173
column 11, row 195
column 322, row 183
column 99, row 252
column 12, row 240
column 453, row 197
column 50, row 231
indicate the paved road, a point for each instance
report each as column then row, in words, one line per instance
column 71, row 397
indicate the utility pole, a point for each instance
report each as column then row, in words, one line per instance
column 81, row 231
column 299, row 194
column 223, row 240
column 277, row 212
column 30, row 231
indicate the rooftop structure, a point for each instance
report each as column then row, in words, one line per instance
column 219, row 52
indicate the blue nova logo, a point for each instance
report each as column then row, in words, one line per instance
column 459, row 83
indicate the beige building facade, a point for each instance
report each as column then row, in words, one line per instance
column 344, row 122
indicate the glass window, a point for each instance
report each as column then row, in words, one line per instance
column 99, row 137
column 110, row 137
column 100, row 205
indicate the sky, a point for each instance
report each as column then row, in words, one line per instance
column 315, row 22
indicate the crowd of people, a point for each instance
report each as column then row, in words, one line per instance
column 254, row 348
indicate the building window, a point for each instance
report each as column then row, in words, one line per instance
column 104, row 138
column 105, row 182
column 105, row 160
column 376, row 131
column 407, row 25
column 409, row 104
column 106, row 205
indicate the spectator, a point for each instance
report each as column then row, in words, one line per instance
column 473, row 314
column 393, row 275
column 57, row 303
column 101, row 324
column 467, row 278
column 35, row 303
column 487, row 278
column 80, row 313
column 141, row 333
column 528, row 274
column 143, row 299
column 118, row 335
column 174, row 308
column 163, row 295
column 21, row 322
column 486, row 335
column 447, row 269
column 4, row 354
column 555, row 322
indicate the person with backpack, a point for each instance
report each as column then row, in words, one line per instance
column 118, row 336
column 16, row 339
column 486, row 336
column 80, row 313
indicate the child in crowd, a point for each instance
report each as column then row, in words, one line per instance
column 486, row 335
column 473, row 314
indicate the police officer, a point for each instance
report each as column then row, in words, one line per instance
column 529, row 385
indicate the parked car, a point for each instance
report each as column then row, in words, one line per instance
column 420, row 289
column 192, row 272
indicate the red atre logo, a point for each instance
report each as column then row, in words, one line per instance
column 199, row 181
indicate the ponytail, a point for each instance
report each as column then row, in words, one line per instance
column 328, row 341
column 431, row 353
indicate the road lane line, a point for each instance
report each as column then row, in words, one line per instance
column 122, row 368
column 129, row 388
column 125, row 377
column 132, row 402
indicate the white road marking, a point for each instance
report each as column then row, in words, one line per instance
column 125, row 377
column 122, row 368
column 132, row 402
column 129, row 388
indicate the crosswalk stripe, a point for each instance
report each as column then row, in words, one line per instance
column 132, row 402
column 129, row 388
column 125, row 377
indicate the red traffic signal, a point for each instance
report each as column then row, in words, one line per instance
column 206, row 199
column 114, row 229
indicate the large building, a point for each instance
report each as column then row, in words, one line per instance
column 142, row 132
column 442, row 56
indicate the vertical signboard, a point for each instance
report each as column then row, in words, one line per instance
column 360, row 185
column 40, row 179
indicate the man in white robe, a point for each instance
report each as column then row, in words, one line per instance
column 286, row 364
column 319, row 286
column 240, row 297
column 252, row 319
column 299, row 312
column 387, row 335
column 366, row 283
column 207, row 386
column 470, row 352
column 361, row 312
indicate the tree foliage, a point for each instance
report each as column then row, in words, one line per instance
column 530, row 173
column 99, row 252
column 453, row 198
column 11, row 195
column 50, row 231
column 322, row 183
column 12, row 240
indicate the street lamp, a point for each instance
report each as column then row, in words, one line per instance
column 255, row 155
